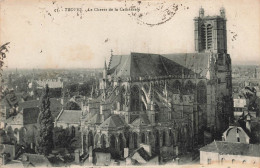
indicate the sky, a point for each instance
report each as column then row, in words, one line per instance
column 43, row 35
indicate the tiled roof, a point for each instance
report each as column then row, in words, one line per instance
column 223, row 147
column 70, row 116
column 114, row 121
column 28, row 104
column 143, row 64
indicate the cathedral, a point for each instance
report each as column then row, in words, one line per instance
column 164, row 101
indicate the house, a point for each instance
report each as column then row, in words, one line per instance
column 240, row 103
column 102, row 157
column 235, row 134
column 223, row 152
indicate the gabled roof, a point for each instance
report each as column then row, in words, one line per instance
column 226, row 133
column 70, row 116
column 143, row 64
column 114, row 121
column 196, row 62
column 142, row 152
column 232, row 148
column 141, row 120
column 95, row 119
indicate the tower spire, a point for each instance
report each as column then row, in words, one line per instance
column 105, row 70
column 201, row 12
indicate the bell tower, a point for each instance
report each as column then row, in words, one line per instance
column 210, row 32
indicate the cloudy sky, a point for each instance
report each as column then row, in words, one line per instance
column 42, row 34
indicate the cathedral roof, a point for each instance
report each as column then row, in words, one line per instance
column 143, row 64
column 95, row 119
column 141, row 120
column 114, row 121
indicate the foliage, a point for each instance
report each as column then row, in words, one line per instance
column 72, row 106
column 63, row 139
column 45, row 139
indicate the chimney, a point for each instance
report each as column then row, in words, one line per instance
column 61, row 101
column 118, row 106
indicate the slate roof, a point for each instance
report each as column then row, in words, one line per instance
column 231, row 148
column 141, row 120
column 95, row 119
column 70, row 116
column 143, row 64
column 114, row 121
column 142, row 152
column 197, row 62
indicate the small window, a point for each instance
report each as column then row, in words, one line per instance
column 209, row 161
column 238, row 139
column 222, row 160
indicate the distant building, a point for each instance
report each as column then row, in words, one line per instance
column 52, row 83
column 222, row 152
column 240, row 103
column 21, row 127
column 235, row 134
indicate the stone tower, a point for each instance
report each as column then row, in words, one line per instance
column 210, row 33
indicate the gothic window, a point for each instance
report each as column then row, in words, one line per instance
column 135, row 137
column 112, row 141
column 209, row 36
column 203, row 36
column 122, row 98
column 90, row 139
column 135, row 106
column 176, row 86
column 189, row 87
column 157, row 139
column 121, row 142
column 103, row 141
column 206, row 36
column 143, row 138
column 164, row 138
column 202, row 93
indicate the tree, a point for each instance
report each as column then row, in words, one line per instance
column 45, row 138
column 72, row 106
